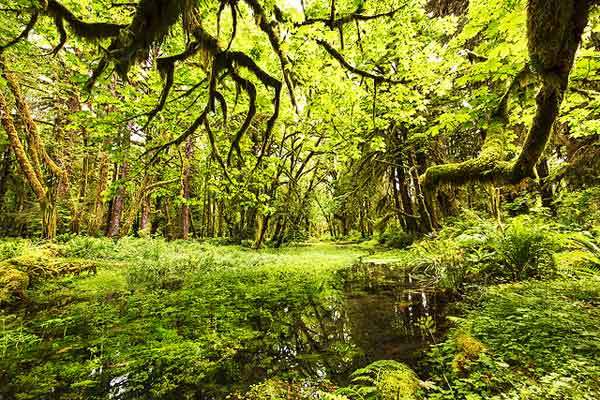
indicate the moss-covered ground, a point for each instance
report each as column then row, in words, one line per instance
column 145, row 318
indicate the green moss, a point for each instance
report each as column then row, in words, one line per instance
column 534, row 340
column 489, row 166
column 13, row 283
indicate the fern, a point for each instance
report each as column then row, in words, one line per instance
column 382, row 380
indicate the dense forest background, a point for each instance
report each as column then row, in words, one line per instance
column 300, row 199
column 322, row 120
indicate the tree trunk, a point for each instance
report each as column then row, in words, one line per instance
column 4, row 174
column 145, row 213
column 424, row 201
column 118, row 203
column 546, row 191
column 49, row 218
column 186, row 189
column 263, row 226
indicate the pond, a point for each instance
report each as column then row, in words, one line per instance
column 383, row 313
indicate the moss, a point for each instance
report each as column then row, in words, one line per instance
column 13, row 283
column 548, row 24
column 398, row 384
column 39, row 266
column 554, row 34
column 469, row 349
column 469, row 346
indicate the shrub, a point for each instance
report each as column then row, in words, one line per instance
column 580, row 208
column 382, row 380
column 12, row 248
column 527, row 340
column 397, row 239
column 440, row 262
column 523, row 250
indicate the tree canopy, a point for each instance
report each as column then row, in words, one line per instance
column 260, row 120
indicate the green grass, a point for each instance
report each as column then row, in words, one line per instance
column 172, row 318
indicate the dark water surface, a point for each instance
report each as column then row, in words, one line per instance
column 383, row 313
column 390, row 314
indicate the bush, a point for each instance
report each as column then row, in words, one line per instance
column 382, row 380
column 527, row 340
column 580, row 208
column 12, row 248
column 397, row 239
column 523, row 250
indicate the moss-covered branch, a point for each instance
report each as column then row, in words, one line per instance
column 554, row 34
column 19, row 150
column 334, row 23
column 365, row 74
column 25, row 33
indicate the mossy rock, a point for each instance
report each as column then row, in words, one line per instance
column 13, row 283
column 38, row 267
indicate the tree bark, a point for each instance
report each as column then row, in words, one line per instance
column 4, row 174
column 114, row 225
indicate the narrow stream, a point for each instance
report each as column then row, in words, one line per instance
column 383, row 313
column 390, row 314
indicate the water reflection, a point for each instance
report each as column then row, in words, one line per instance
column 390, row 315
column 384, row 313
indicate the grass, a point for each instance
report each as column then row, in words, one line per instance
column 540, row 340
column 167, row 319
column 175, row 319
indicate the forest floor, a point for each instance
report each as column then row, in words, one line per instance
column 88, row 318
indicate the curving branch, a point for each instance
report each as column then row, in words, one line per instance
column 333, row 23
column 267, row 28
column 81, row 28
column 25, row 33
column 554, row 31
column 250, row 89
column 365, row 74
column 150, row 23
column 166, row 66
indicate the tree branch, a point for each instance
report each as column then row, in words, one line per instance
column 376, row 78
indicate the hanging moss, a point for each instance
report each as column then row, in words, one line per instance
column 152, row 21
column 88, row 30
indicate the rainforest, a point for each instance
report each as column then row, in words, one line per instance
column 300, row 199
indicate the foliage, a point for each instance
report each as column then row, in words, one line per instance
column 170, row 319
column 383, row 380
column 396, row 239
column 534, row 340
column 474, row 250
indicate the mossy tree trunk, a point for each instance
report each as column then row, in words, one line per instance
column 30, row 161
column 554, row 29
column 186, row 188
column 4, row 173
